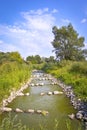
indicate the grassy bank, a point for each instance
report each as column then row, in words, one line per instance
column 12, row 75
column 71, row 73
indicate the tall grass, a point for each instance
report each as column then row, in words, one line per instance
column 12, row 74
column 71, row 73
column 9, row 123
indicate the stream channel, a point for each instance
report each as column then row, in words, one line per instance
column 58, row 106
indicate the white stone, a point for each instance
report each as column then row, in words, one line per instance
column 18, row 110
column 21, row 94
column 27, row 94
column 57, row 92
column 39, row 111
column 49, row 93
column 7, row 109
column 42, row 94
column 30, row 110
column 41, row 84
column 72, row 116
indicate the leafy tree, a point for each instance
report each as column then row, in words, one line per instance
column 67, row 44
column 50, row 59
column 15, row 56
column 38, row 59
column 34, row 59
column 10, row 56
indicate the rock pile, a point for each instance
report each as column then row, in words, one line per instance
column 14, row 94
column 76, row 102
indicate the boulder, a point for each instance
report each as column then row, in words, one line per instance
column 43, row 112
column 79, row 115
column 27, row 94
column 85, row 117
column 18, row 110
column 32, row 85
column 49, row 93
column 57, row 92
column 21, row 94
column 39, row 111
column 72, row 116
column 41, row 84
column 5, row 102
column 42, row 94
column 6, row 109
column 30, row 110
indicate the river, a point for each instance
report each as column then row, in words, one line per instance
column 58, row 106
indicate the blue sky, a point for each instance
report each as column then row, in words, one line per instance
column 26, row 25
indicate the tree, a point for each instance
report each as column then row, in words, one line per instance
column 38, row 59
column 50, row 59
column 10, row 56
column 34, row 59
column 15, row 56
column 67, row 43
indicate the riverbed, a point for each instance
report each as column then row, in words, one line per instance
column 58, row 106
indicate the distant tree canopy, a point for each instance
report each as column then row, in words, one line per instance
column 34, row 59
column 37, row 59
column 50, row 59
column 67, row 44
column 10, row 56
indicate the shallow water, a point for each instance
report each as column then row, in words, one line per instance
column 58, row 107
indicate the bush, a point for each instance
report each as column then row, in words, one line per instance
column 12, row 74
column 79, row 67
column 71, row 73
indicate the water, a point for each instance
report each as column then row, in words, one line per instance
column 58, row 107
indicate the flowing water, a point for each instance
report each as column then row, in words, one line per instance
column 58, row 106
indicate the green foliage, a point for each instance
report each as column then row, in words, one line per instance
column 12, row 74
column 38, row 66
column 9, row 123
column 79, row 67
column 34, row 59
column 49, row 66
column 68, row 125
column 10, row 56
column 67, row 45
column 71, row 73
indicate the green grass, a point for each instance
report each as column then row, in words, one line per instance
column 12, row 74
column 71, row 73
column 9, row 123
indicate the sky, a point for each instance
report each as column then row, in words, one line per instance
column 26, row 25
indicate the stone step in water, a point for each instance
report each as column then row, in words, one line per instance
column 18, row 110
column 51, row 93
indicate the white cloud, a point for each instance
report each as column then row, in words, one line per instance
column 32, row 35
column 54, row 11
column 65, row 20
column 84, row 20
column 1, row 42
column 37, row 12
column 4, row 47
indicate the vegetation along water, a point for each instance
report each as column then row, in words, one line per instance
column 42, row 104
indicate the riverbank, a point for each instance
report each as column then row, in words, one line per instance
column 56, row 105
column 14, row 94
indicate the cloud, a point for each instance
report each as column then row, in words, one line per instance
column 1, row 42
column 65, row 20
column 32, row 35
column 55, row 11
column 37, row 12
column 4, row 47
column 84, row 20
